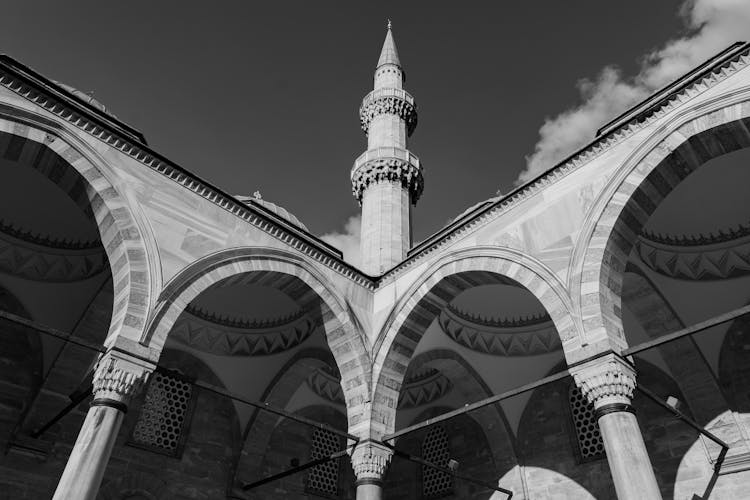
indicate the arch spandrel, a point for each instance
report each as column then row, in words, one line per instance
column 421, row 302
column 341, row 327
column 74, row 167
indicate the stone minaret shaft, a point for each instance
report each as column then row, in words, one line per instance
column 387, row 178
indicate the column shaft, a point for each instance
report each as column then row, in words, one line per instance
column 628, row 459
column 88, row 460
column 370, row 491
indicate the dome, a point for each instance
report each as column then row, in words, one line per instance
column 282, row 212
column 474, row 207
column 85, row 98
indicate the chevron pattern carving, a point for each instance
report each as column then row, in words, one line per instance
column 501, row 337
column 235, row 337
column 424, row 387
column 697, row 257
column 327, row 385
column 37, row 258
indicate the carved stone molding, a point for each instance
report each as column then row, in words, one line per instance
column 327, row 385
column 40, row 258
column 698, row 257
column 527, row 336
column 423, row 387
column 388, row 101
column 238, row 337
column 396, row 170
column 606, row 381
column 370, row 461
column 119, row 377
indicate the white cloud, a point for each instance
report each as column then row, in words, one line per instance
column 712, row 25
column 348, row 241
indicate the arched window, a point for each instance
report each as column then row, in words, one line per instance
column 590, row 444
column 435, row 449
column 324, row 478
column 163, row 419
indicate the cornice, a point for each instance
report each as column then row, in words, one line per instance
column 44, row 93
column 48, row 241
column 698, row 239
column 388, row 169
column 528, row 336
column 327, row 385
column 703, row 78
column 243, row 323
column 422, row 388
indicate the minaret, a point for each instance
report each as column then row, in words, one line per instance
column 387, row 178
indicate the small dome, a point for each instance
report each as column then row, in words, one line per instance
column 474, row 207
column 85, row 98
column 280, row 211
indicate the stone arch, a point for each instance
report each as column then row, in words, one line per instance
column 69, row 164
column 278, row 393
column 343, row 338
column 663, row 161
column 439, row 284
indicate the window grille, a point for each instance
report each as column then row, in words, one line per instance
column 435, row 449
column 590, row 441
column 324, row 478
column 164, row 414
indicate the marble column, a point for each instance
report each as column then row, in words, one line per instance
column 370, row 461
column 117, row 378
column 608, row 383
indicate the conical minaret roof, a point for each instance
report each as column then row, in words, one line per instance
column 389, row 54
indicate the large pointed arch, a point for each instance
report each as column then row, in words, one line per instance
column 446, row 278
column 75, row 168
column 663, row 161
column 342, row 335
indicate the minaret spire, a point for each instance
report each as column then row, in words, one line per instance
column 387, row 178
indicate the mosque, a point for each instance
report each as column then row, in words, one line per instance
column 583, row 336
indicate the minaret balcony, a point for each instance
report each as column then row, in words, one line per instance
column 387, row 164
column 388, row 100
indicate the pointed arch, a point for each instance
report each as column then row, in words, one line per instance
column 691, row 139
column 307, row 285
column 439, row 284
column 75, row 168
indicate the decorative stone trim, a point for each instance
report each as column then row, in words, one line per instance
column 237, row 337
column 326, row 385
column 119, row 377
column 697, row 257
column 16, row 232
column 19, row 83
column 396, row 170
column 716, row 71
column 423, row 388
column 388, row 101
column 606, row 381
column 501, row 337
column 370, row 461
column 63, row 263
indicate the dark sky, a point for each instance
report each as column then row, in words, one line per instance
column 264, row 95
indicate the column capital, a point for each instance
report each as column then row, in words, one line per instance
column 117, row 378
column 370, row 461
column 607, row 382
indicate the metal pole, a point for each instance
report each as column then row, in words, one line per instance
column 295, row 470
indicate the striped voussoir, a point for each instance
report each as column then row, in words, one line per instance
column 87, row 186
column 283, row 271
column 643, row 186
column 426, row 299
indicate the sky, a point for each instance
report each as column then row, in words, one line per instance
column 264, row 95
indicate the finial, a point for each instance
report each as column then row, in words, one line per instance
column 389, row 24
column 256, row 195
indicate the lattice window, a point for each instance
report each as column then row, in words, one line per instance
column 435, row 449
column 324, row 478
column 164, row 414
column 589, row 438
